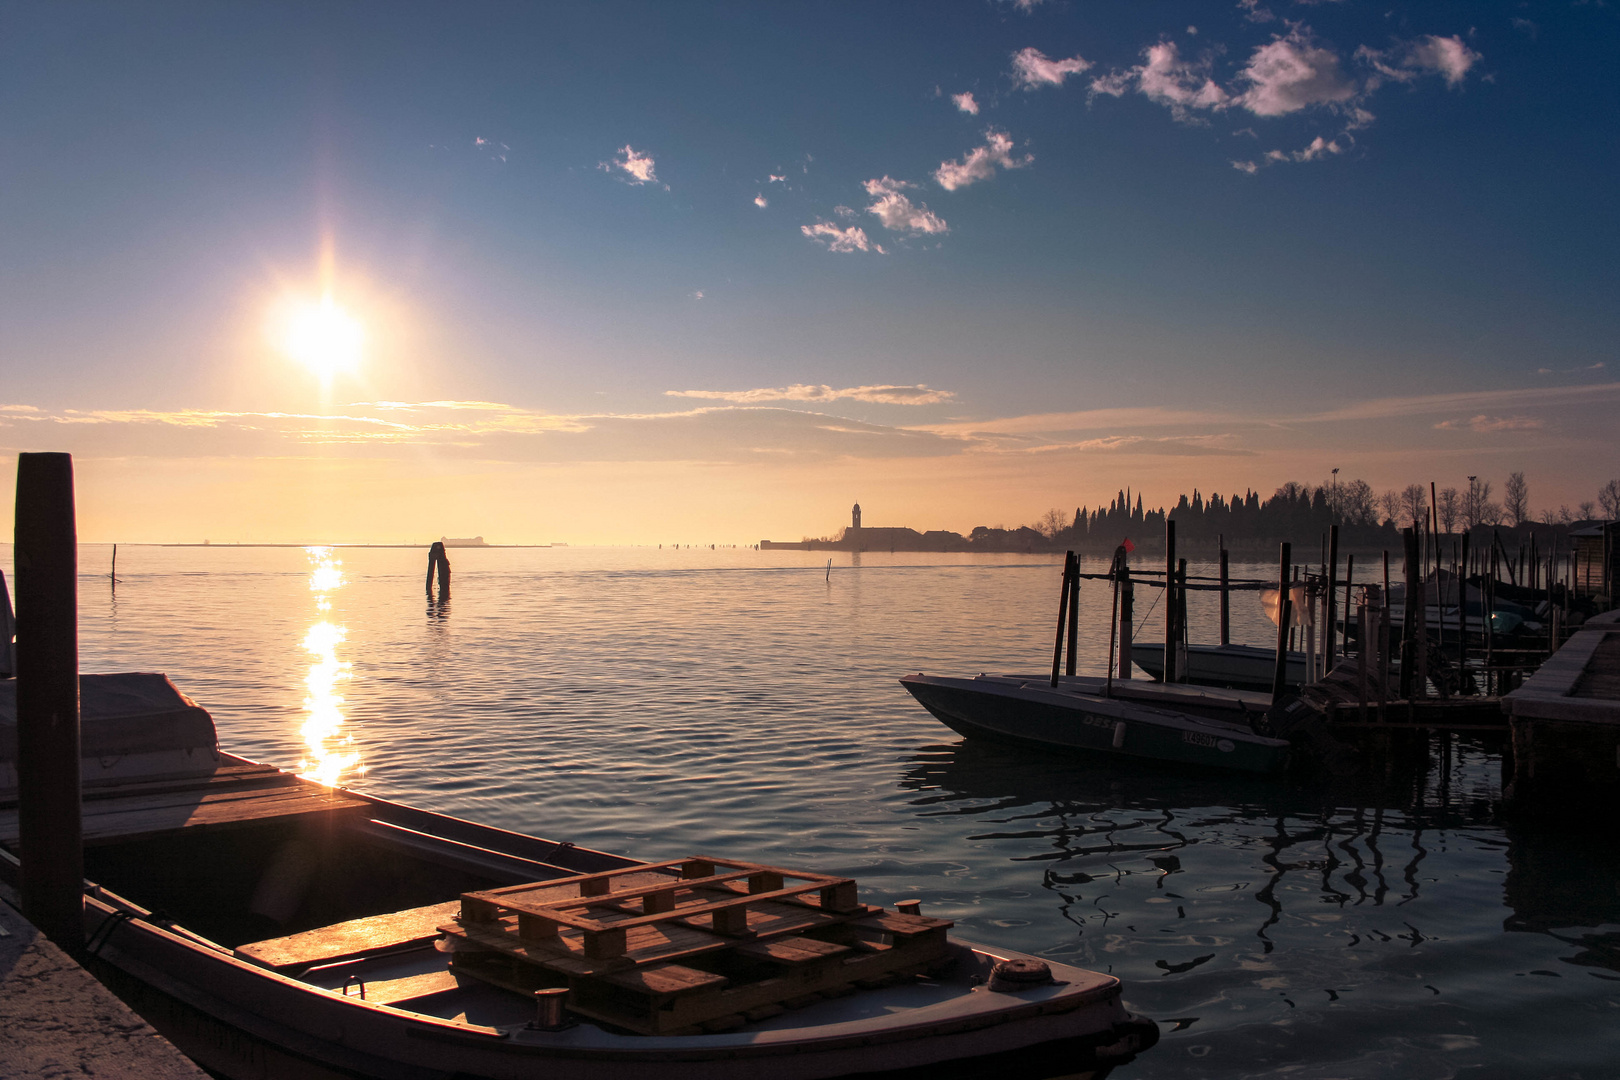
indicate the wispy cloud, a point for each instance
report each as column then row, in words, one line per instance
column 850, row 239
column 1033, row 69
column 882, row 394
column 980, row 162
column 1293, row 72
column 760, row 201
column 638, row 167
column 897, row 212
column 1485, row 424
column 1469, row 401
column 965, row 103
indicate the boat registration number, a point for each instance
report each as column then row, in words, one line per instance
column 1198, row 738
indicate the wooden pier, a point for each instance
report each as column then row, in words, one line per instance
column 1566, row 722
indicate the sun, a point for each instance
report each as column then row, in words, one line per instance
column 324, row 338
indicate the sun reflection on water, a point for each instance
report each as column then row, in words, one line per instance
column 331, row 752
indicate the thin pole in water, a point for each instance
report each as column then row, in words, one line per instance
column 1226, row 599
column 1113, row 621
column 1063, row 611
column 112, row 575
column 1279, row 673
column 1170, row 673
column 1074, row 610
column 829, row 570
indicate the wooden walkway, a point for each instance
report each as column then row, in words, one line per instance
column 230, row 797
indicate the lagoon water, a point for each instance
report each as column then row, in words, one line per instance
column 660, row 703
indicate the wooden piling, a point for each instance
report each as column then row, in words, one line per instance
column 1170, row 673
column 1063, row 614
column 438, row 560
column 1181, row 620
column 1226, row 599
column 1074, row 610
column 1329, row 638
column 8, row 657
column 1409, row 646
column 1127, row 610
column 49, row 824
column 1279, row 673
column 1113, row 621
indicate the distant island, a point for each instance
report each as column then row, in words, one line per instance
column 1248, row 524
column 462, row 541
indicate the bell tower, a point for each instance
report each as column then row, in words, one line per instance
column 855, row 517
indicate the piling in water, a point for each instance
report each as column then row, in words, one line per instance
column 438, row 560
column 1279, row 673
column 49, row 826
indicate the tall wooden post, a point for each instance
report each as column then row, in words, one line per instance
column 1329, row 635
column 1226, row 600
column 1074, row 611
column 1181, row 620
column 1279, row 675
column 8, row 655
column 49, row 826
column 1409, row 622
column 1063, row 612
column 438, row 560
column 1127, row 612
column 1113, row 621
column 1170, row 673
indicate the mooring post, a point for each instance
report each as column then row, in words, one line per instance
column 1409, row 646
column 1063, row 612
column 8, row 652
column 1074, row 610
column 1170, row 673
column 1226, row 599
column 1329, row 636
column 49, row 826
column 438, row 560
column 1279, row 674
column 1181, row 620
column 1113, row 622
column 1127, row 612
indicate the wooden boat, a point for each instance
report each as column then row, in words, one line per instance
column 270, row 926
column 1240, row 667
column 1179, row 724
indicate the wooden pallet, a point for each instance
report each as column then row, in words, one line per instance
column 614, row 938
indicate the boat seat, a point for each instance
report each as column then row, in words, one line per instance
column 347, row 940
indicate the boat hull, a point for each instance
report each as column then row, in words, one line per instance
column 1242, row 667
column 1036, row 716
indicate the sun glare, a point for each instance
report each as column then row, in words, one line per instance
column 324, row 338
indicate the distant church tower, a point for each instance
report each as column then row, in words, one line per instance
column 855, row 517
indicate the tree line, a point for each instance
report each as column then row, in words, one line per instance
column 1301, row 510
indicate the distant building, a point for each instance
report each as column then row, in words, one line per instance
column 855, row 517
column 462, row 541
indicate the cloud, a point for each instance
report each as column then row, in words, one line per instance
column 1032, row 69
column 980, row 162
column 1027, row 6
column 496, row 149
column 1484, row 424
column 918, row 394
column 761, row 202
column 1168, row 79
column 1292, row 72
column 965, row 103
column 1254, row 12
column 1470, row 401
column 638, row 167
column 844, row 211
column 774, row 179
column 897, row 212
column 1246, row 166
column 1447, row 57
column 846, row 240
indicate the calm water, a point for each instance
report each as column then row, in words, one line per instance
column 664, row 703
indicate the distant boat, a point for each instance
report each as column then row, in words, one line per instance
column 1176, row 724
column 1240, row 667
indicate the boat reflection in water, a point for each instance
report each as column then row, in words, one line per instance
column 1366, row 928
column 330, row 751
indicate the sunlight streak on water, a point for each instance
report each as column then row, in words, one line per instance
column 331, row 752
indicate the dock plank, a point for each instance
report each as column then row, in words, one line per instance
column 356, row 937
column 146, row 816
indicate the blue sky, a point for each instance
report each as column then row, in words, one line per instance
column 1165, row 245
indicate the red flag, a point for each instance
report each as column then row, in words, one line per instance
column 1128, row 546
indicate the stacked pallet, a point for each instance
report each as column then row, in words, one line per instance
column 698, row 944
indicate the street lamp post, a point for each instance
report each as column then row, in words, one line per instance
column 1335, row 494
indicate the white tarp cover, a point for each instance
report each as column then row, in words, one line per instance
column 137, row 712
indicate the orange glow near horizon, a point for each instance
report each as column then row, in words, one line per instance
column 331, row 752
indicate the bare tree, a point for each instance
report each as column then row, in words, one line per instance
column 1549, row 516
column 1516, row 499
column 1389, row 504
column 1588, row 510
column 1357, row 503
column 1415, row 502
column 1476, row 501
column 1450, row 508
column 1609, row 499
column 1051, row 523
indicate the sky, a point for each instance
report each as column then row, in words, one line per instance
column 710, row 273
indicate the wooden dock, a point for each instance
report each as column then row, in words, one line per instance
column 1566, row 721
